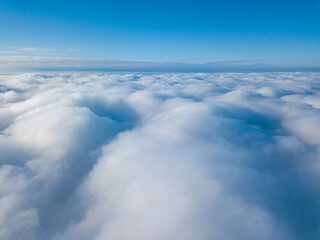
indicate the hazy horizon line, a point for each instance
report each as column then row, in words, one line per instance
column 41, row 63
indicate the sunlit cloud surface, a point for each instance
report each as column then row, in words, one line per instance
column 159, row 156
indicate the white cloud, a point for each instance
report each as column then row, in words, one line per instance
column 159, row 156
column 13, row 50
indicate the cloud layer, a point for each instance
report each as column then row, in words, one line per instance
column 160, row 156
column 58, row 64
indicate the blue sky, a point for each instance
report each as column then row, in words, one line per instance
column 198, row 31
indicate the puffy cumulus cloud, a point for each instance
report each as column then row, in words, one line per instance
column 159, row 156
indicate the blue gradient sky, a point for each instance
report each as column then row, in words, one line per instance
column 199, row 31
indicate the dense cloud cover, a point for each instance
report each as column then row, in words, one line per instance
column 160, row 156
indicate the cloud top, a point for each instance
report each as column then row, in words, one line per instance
column 185, row 156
